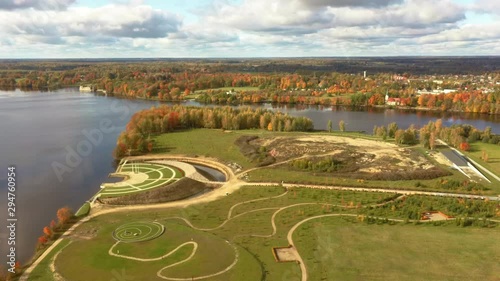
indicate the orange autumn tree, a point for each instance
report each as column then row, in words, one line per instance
column 63, row 215
column 465, row 146
column 53, row 225
column 42, row 240
column 270, row 126
column 47, row 231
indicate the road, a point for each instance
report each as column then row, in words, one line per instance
column 454, row 157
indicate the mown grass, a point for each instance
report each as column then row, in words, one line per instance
column 84, row 210
column 321, row 196
column 92, row 255
column 493, row 151
column 203, row 142
column 336, row 249
column 256, row 259
column 42, row 271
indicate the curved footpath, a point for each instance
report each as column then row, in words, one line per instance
column 230, row 217
column 232, row 185
column 303, row 268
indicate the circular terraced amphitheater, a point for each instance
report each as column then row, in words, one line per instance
column 140, row 176
column 138, row 232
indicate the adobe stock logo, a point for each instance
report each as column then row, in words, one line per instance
column 92, row 138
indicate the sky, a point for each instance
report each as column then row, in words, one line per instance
column 247, row 28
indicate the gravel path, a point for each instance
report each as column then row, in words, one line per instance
column 232, row 185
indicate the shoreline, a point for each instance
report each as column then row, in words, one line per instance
column 98, row 209
column 232, row 184
column 262, row 103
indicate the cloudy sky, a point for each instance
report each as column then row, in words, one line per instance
column 247, row 28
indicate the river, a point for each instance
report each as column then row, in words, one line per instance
column 40, row 132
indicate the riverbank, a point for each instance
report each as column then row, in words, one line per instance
column 191, row 98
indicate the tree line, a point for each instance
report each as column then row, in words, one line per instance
column 164, row 119
column 174, row 81
column 458, row 136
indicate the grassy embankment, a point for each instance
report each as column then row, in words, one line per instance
column 42, row 270
column 493, row 164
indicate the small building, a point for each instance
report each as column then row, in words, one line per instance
column 399, row 78
column 87, row 88
column 393, row 101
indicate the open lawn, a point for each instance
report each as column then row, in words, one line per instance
column 42, row 271
column 93, row 258
column 233, row 236
column 334, row 249
column 92, row 254
column 493, row 151
column 204, row 142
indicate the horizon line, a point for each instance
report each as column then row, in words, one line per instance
column 257, row 57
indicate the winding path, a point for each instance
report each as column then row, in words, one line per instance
column 232, row 185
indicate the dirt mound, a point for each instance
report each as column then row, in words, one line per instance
column 256, row 153
column 182, row 189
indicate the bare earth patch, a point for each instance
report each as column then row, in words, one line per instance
column 360, row 155
column 285, row 254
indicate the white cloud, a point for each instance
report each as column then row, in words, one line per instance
column 250, row 28
column 111, row 20
column 411, row 14
column 487, row 6
column 35, row 4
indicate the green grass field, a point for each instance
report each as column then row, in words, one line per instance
column 493, row 152
column 84, row 210
column 204, row 142
column 42, row 271
column 334, row 249
column 218, row 239
column 154, row 175
column 219, row 144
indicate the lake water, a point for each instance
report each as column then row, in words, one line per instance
column 61, row 144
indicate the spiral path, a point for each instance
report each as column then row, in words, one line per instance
column 138, row 232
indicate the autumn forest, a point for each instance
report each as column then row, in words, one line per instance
column 293, row 81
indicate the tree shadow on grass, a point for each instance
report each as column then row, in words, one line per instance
column 162, row 149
